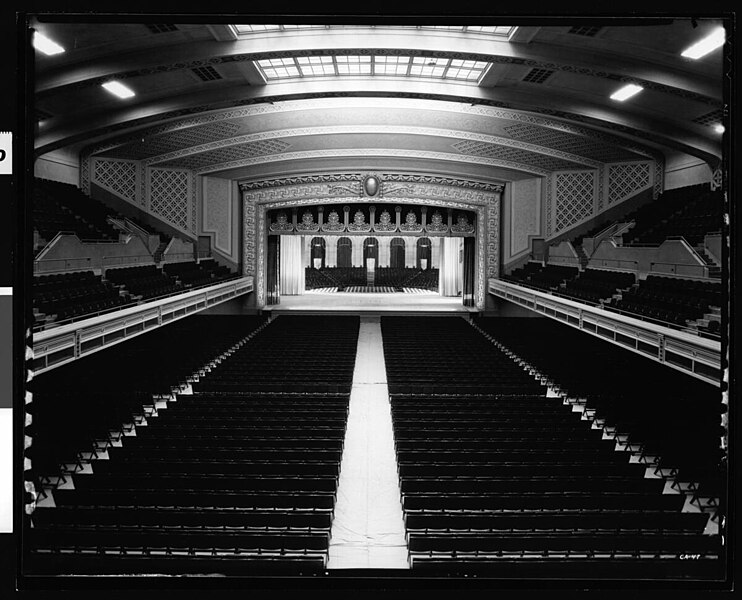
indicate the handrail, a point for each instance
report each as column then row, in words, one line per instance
column 614, row 309
column 131, row 304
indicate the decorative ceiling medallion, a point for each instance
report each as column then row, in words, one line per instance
column 371, row 185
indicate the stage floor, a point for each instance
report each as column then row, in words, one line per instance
column 367, row 303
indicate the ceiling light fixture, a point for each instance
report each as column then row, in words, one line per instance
column 626, row 92
column 45, row 45
column 719, row 128
column 118, row 89
column 708, row 44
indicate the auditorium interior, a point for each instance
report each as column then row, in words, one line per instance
column 394, row 299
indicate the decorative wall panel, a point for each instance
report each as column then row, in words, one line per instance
column 574, row 194
column 524, row 213
column 627, row 179
column 171, row 197
column 117, row 176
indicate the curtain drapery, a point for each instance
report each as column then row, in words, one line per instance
column 291, row 265
column 272, row 283
column 450, row 270
column 468, row 287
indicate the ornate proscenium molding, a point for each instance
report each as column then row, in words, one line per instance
column 441, row 193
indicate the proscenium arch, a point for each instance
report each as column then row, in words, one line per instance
column 482, row 199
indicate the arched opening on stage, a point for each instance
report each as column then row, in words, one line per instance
column 424, row 253
column 370, row 249
column 317, row 253
column 397, row 253
column 345, row 253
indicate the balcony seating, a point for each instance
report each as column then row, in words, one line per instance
column 690, row 212
column 218, row 482
column 64, row 296
column 497, row 478
column 63, row 207
column 193, row 274
column 670, row 299
column 594, row 285
column 548, row 277
column 144, row 282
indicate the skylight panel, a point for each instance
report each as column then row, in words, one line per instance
column 424, row 66
column 316, row 65
column 279, row 68
column 391, row 65
column 254, row 28
column 503, row 30
column 353, row 65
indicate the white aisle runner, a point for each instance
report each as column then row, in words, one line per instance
column 368, row 528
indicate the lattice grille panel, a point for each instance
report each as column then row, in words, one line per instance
column 541, row 161
column 118, row 176
column 574, row 197
column 230, row 153
column 574, row 144
column 177, row 140
column 169, row 196
column 623, row 180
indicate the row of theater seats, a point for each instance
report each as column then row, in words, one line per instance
column 395, row 277
column 674, row 416
column 425, row 280
column 544, row 277
column 69, row 295
column 594, row 285
column 690, row 212
column 62, row 207
column 501, row 480
column 314, row 278
column 343, row 277
column 674, row 301
column 238, row 477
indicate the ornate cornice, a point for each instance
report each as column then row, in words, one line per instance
column 370, row 129
column 374, row 152
column 247, row 107
column 385, row 178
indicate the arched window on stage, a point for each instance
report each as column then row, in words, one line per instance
column 317, row 247
column 345, row 253
column 396, row 253
column 370, row 249
column 424, row 253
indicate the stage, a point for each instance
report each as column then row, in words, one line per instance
column 369, row 304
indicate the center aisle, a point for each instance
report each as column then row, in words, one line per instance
column 368, row 528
